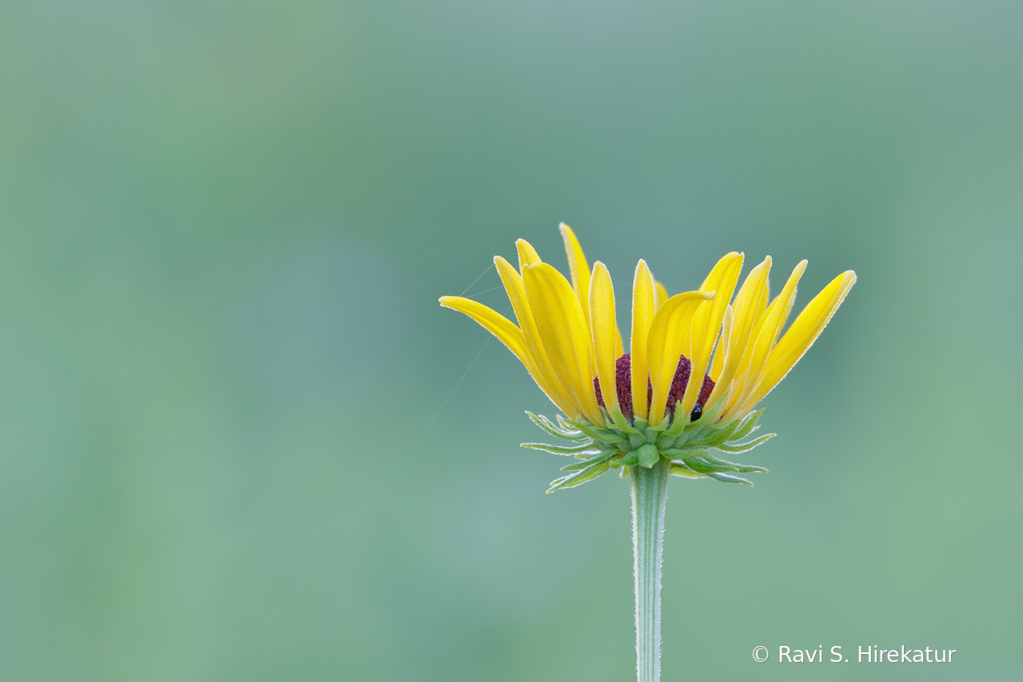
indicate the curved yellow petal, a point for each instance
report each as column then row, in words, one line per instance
column 747, row 310
column 707, row 324
column 815, row 316
column 495, row 323
column 566, row 337
column 643, row 309
column 527, row 254
column 533, row 344
column 668, row 332
column 578, row 267
column 800, row 336
column 770, row 325
column 604, row 332
column 506, row 332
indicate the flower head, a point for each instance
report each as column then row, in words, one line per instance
column 697, row 366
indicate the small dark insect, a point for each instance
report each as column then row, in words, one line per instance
column 696, row 413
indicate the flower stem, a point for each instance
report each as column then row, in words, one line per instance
column 649, row 493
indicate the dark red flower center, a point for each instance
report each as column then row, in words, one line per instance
column 623, row 384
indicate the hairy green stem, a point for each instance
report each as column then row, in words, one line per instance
column 649, row 493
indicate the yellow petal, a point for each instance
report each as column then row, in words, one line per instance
column 603, row 332
column 660, row 295
column 578, row 267
column 505, row 331
column 533, row 344
column 495, row 323
column 814, row 317
column 707, row 324
column 772, row 321
column 566, row 338
column 801, row 335
column 643, row 309
column 668, row 332
column 527, row 254
column 749, row 306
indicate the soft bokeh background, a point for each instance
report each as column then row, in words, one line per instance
column 239, row 440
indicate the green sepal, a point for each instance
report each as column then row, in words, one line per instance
column 714, row 438
column 620, row 422
column 603, row 457
column 665, row 442
column 736, row 448
column 677, row 426
column 648, row 455
column 629, row 460
column 702, row 466
column 682, row 453
column 584, row 427
column 677, row 469
column 712, row 412
column 663, row 424
column 558, row 450
column 705, row 466
column 668, row 438
column 728, row 478
column 747, row 424
column 599, row 433
column 549, row 426
column 735, row 466
column 587, row 474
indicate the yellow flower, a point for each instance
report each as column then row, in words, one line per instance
column 702, row 360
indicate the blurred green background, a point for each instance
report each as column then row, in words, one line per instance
column 239, row 439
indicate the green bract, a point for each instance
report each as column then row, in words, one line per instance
column 621, row 444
